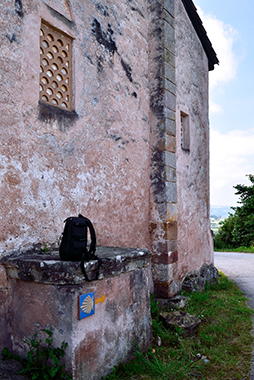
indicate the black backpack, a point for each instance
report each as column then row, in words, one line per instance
column 73, row 245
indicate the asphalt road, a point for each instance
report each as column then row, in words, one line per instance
column 240, row 268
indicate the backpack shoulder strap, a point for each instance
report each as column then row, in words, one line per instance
column 92, row 247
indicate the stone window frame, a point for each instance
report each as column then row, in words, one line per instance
column 67, row 85
column 185, row 131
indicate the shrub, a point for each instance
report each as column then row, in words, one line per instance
column 43, row 361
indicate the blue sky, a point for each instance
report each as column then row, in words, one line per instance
column 230, row 27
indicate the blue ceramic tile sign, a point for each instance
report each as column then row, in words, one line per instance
column 86, row 305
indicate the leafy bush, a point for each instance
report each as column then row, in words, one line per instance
column 43, row 361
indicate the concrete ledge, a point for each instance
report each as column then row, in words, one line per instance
column 47, row 268
column 45, row 292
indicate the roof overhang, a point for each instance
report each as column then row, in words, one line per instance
column 201, row 32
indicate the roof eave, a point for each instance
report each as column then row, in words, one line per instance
column 201, row 32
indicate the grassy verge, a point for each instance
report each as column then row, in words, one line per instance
column 239, row 249
column 224, row 340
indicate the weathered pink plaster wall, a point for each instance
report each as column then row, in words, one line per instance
column 194, row 235
column 96, row 164
column 136, row 65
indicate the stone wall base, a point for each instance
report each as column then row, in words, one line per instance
column 196, row 281
column 39, row 291
column 167, row 289
column 193, row 281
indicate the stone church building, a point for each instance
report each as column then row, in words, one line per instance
column 104, row 112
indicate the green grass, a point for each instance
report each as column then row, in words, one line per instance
column 224, row 338
column 239, row 249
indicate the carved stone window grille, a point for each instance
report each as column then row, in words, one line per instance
column 55, row 67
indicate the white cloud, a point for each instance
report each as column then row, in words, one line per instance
column 232, row 152
column 232, row 157
column 223, row 38
column 214, row 107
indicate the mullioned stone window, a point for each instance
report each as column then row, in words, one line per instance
column 55, row 67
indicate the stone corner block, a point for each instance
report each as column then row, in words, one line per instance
column 171, row 192
column 170, row 74
column 166, row 289
column 163, row 272
column 172, row 211
column 170, row 159
column 170, row 143
column 169, row 257
column 170, row 125
column 170, row 230
column 169, row 5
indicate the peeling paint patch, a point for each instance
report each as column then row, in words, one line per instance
column 102, row 9
column 119, row 139
column 19, row 8
column 100, row 62
column 115, row 137
column 104, row 38
column 127, row 69
column 138, row 11
column 11, row 37
column 89, row 58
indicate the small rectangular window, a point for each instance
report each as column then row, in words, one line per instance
column 55, row 67
column 185, row 131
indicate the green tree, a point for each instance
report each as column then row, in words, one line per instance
column 224, row 237
column 243, row 233
column 238, row 229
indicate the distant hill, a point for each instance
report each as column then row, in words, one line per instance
column 220, row 212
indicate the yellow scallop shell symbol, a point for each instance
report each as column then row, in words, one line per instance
column 87, row 305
